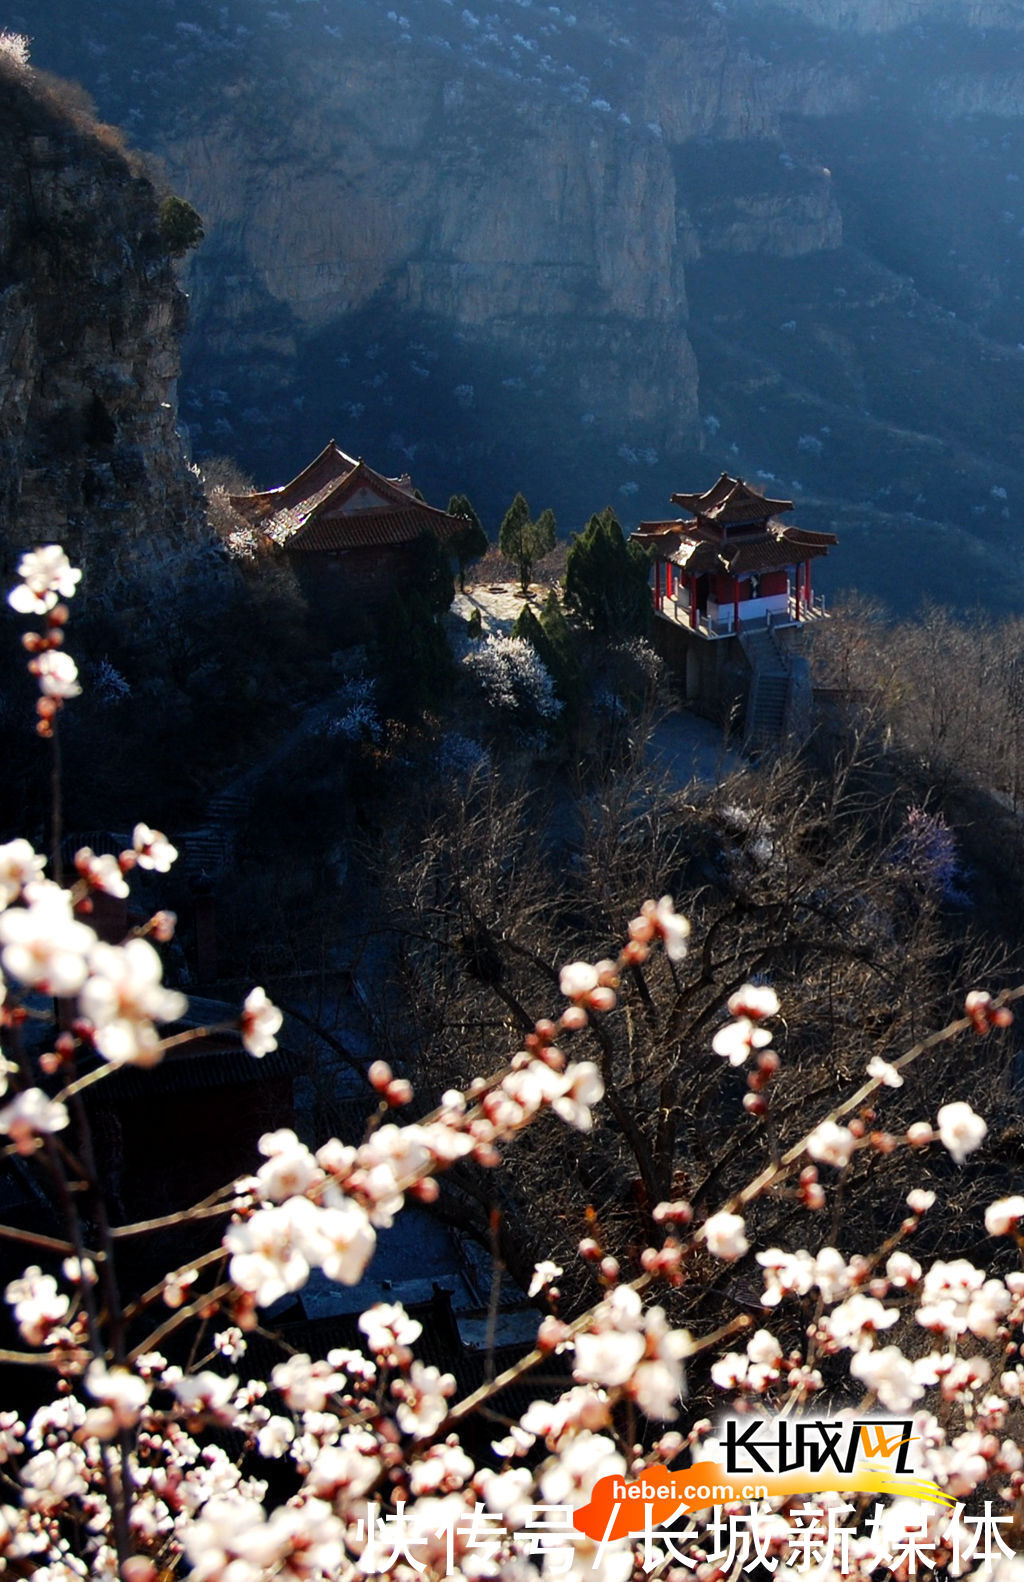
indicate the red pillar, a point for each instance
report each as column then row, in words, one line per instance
column 807, row 584
column 735, row 605
column 796, row 590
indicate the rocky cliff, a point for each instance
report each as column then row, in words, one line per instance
column 572, row 248
column 90, row 324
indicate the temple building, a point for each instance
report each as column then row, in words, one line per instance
column 351, row 533
column 735, row 584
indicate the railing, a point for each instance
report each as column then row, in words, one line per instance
column 726, row 625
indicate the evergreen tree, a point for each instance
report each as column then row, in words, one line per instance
column 606, row 579
column 417, row 669
column 471, row 542
column 432, row 574
column 523, row 541
column 550, row 636
column 528, row 627
column 181, row 226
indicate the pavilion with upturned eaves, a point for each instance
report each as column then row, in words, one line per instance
column 351, row 533
column 732, row 592
column 730, row 565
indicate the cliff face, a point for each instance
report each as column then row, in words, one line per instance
column 90, row 322
column 449, row 202
column 568, row 250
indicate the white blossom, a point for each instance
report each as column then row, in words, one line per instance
column 37, row 1303
column 32, row 1114
column 1004, row 1215
column 152, row 849
column 46, row 577
column 261, row 1022
column 735, row 1040
column 44, row 945
column 724, row 1235
column 19, row 866
column 831, row 1144
column 577, row 979
column 123, row 997
column 545, row 1273
column 101, row 873
column 890, row 1375
column 56, row 673
column 961, row 1131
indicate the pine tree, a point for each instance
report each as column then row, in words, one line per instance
column 471, row 542
column 606, row 579
column 432, row 576
column 523, row 541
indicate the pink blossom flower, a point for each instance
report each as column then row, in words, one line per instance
column 674, row 930
column 785, row 1273
column 388, row 1327
column 123, row 1392
column 290, row 1167
column 205, row 1391
column 577, row 980
column 423, row 1406
column 265, row 1260
column 607, row 1358
column 853, row 1323
column 890, row 1375
column 347, row 1242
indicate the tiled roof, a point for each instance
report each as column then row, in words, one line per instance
column 309, row 512
column 322, row 473
column 697, row 552
column 731, row 501
column 364, row 529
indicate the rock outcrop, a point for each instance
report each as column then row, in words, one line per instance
column 90, row 322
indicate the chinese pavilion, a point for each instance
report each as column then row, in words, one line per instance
column 734, row 581
column 350, row 532
column 731, row 565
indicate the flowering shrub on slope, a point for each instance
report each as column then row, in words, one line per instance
column 143, row 1469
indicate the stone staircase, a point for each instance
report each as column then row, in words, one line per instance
column 768, row 697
